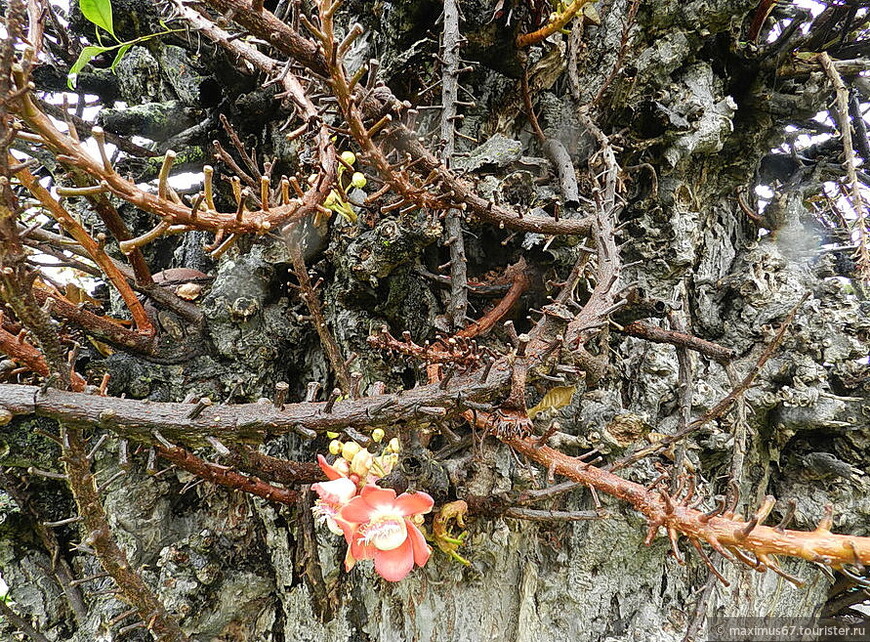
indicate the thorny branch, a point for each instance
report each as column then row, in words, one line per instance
column 725, row 534
column 451, row 40
column 132, row 588
column 859, row 206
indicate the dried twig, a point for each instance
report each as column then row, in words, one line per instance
column 450, row 43
column 225, row 476
column 656, row 334
column 720, row 408
column 857, row 200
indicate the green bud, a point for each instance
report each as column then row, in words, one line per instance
column 358, row 180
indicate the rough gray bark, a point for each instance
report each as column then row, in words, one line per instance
column 693, row 121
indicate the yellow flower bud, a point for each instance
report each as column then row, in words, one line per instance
column 394, row 446
column 361, row 463
column 378, row 435
column 334, row 447
column 349, row 449
column 358, row 180
column 332, row 435
column 348, row 157
column 342, row 466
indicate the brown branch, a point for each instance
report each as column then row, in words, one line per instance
column 24, row 353
column 93, row 249
column 450, row 44
column 312, row 199
column 533, row 38
column 656, row 334
column 721, row 532
column 456, row 350
column 131, row 587
column 456, row 193
column 862, row 254
column 118, row 228
column 95, row 325
column 282, row 471
column 59, row 565
column 226, row 477
column 42, row 239
column 84, row 128
column 252, row 423
column 463, row 196
column 21, row 623
column 519, row 283
column 71, row 153
column 312, row 302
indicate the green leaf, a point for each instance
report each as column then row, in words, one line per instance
column 87, row 54
column 120, row 54
column 99, row 12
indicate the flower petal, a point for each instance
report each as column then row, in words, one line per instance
column 359, row 549
column 414, row 503
column 348, row 529
column 357, row 510
column 394, row 565
column 381, row 499
column 349, row 561
column 329, row 471
column 338, row 491
column 333, row 526
column 418, row 543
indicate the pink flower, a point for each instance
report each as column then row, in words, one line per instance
column 334, row 495
column 335, row 471
column 381, row 530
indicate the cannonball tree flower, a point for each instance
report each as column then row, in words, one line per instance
column 383, row 529
column 333, row 496
column 340, row 469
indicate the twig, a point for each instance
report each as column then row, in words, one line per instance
column 723, row 532
column 226, row 477
column 94, row 250
column 720, row 408
column 644, row 330
column 450, row 43
column 858, row 205
column 131, row 586
column 21, row 624
column 312, row 302
column 539, row 515
column 533, row 38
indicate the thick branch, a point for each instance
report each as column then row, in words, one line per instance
column 819, row 545
column 254, row 422
column 132, row 587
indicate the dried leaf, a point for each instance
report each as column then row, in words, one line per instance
column 557, row 398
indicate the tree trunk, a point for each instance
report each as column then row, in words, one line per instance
column 693, row 111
